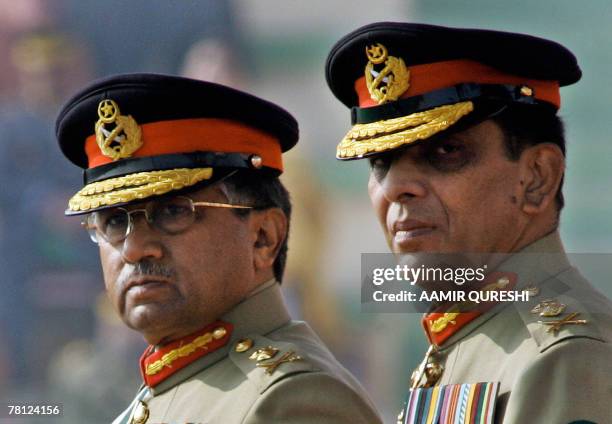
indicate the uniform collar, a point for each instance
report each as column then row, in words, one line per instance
column 532, row 266
column 538, row 262
column 444, row 322
column 261, row 312
column 157, row 364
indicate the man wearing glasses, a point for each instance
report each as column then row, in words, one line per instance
column 182, row 197
column 467, row 157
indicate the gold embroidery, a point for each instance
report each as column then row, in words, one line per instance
column 441, row 323
column 200, row 342
column 136, row 186
column 122, row 140
column 391, row 133
column 389, row 83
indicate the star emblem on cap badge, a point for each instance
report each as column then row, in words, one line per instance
column 390, row 82
column 120, row 141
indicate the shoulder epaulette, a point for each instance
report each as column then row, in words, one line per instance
column 565, row 307
column 265, row 361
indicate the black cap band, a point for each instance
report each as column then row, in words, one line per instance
column 459, row 93
column 164, row 162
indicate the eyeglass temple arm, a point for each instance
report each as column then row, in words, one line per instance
column 221, row 205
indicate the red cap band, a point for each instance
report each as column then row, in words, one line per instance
column 201, row 134
column 438, row 75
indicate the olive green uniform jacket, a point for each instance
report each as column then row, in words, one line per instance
column 226, row 387
column 545, row 377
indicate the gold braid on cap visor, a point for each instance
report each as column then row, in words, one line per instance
column 381, row 136
column 135, row 187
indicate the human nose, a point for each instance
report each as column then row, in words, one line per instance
column 403, row 181
column 141, row 241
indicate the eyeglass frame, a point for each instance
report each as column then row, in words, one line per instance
column 93, row 230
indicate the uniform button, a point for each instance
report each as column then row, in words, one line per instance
column 503, row 282
column 433, row 372
column 141, row 413
column 243, row 345
column 400, row 417
column 256, row 161
column 526, row 91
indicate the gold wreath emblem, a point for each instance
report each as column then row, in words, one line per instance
column 120, row 141
column 389, row 83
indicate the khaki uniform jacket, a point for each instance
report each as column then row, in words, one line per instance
column 545, row 377
column 226, row 387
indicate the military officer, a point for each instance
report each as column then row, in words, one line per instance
column 181, row 194
column 467, row 154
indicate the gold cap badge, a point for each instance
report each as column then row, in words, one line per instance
column 390, row 82
column 122, row 140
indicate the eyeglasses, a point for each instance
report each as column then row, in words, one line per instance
column 171, row 216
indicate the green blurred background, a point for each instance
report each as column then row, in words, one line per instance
column 61, row 341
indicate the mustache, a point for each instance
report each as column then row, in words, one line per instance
column 145, row 267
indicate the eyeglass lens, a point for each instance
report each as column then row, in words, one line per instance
column 171, row 216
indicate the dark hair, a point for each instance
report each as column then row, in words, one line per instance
column 263, row 191
column 524, row 126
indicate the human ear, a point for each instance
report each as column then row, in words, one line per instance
column 541, row 171
column 270, row 231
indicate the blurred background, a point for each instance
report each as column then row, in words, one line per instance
column 59, row 339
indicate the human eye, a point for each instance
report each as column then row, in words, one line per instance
column 447, row 149
column 379, row 166
column 448, row 155
column 112, row 219
column 173, row 209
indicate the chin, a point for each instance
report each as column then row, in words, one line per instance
column 419, row 246
column 146, row 319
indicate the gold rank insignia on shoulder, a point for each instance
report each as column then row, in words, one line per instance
column 554, row 326
column 390, row 82
column 533, row 290
column 268, row 354
column 263, row 354
column 271, row 366
column 123, row 139
column 548, row 308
